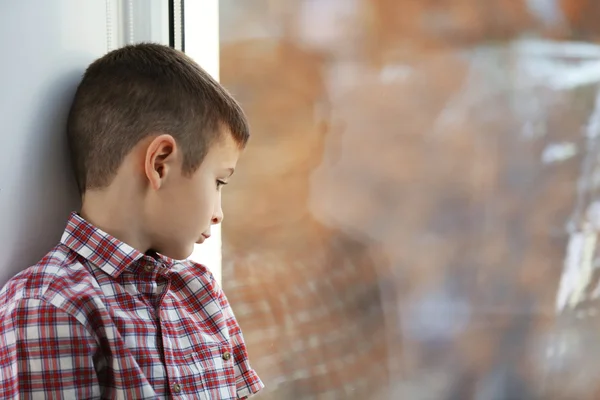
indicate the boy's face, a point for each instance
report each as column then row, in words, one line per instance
column 185, row 207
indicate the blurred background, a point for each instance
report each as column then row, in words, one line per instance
column 416, row 214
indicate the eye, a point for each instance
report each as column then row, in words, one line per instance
column 220, row 183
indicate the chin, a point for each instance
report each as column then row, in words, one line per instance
column 179, row 253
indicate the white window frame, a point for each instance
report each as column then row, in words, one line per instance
column 134, row 21
column 201, row 42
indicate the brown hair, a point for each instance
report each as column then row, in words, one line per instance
column 138, row 90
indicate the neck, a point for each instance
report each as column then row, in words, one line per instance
column 112, row 210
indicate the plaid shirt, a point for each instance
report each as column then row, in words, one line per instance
column 96, row 318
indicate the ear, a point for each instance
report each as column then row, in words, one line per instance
column 160, row 159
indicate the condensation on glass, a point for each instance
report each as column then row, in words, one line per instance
column 416, row 214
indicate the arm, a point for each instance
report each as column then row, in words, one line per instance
column 45, row 353
column 246, row 379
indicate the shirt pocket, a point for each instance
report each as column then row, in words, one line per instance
column 215, row 363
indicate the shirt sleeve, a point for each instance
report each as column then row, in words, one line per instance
column 45, row 353
column 246, row 379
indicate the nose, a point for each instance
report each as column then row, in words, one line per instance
column 217, row 216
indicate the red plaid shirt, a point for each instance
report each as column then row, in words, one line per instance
column 96, row 318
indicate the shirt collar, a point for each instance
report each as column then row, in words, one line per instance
column 98, row 247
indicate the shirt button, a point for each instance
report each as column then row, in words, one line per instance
column 176, row 388
column 226, row 356
column 148, row 268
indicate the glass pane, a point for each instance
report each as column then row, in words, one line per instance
column 416, row 214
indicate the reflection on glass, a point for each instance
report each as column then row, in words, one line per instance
column 416, row 214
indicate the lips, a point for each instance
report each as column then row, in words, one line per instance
column 202, row 238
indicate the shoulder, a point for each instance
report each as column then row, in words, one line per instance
column 59, row 278
column 197, row 277
column 191, row 270
column 200, row 282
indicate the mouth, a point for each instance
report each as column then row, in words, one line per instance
column 202, row 238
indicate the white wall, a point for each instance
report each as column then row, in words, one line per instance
column 46, row 46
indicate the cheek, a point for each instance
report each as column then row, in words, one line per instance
column 204, row 198
column 188, row 201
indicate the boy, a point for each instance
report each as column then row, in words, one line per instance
column 110, row 312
